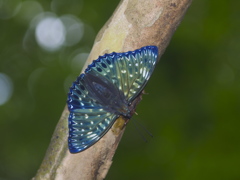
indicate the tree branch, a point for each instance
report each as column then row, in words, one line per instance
column 134, row 24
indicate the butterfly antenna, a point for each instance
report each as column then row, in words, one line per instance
column 145, row 129
column 139, row 128
column 139, row 131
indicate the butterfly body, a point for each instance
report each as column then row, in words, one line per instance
column 109, row 88
column 104, row 92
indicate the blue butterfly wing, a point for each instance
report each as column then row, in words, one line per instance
column 129, row 72
column 88, row 121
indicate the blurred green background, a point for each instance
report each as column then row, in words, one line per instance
column 194, row 94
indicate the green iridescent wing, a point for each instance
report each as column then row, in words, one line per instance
column 89, row 120
column 128, row 71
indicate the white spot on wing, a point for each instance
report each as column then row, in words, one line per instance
column 144, row 72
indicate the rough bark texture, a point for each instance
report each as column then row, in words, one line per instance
column 134, row 24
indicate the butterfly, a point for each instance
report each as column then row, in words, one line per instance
column 107, row 89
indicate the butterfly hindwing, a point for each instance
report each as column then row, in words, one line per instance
column 88, row 121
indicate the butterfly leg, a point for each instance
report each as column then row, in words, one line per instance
column 144, row 92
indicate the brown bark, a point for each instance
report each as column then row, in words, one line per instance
column 134, row 24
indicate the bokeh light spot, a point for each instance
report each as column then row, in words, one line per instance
column 29, row 9
column 78, row 61
column 6, row 88
column 9, row 8
column 50, row 33
column 74, row 29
